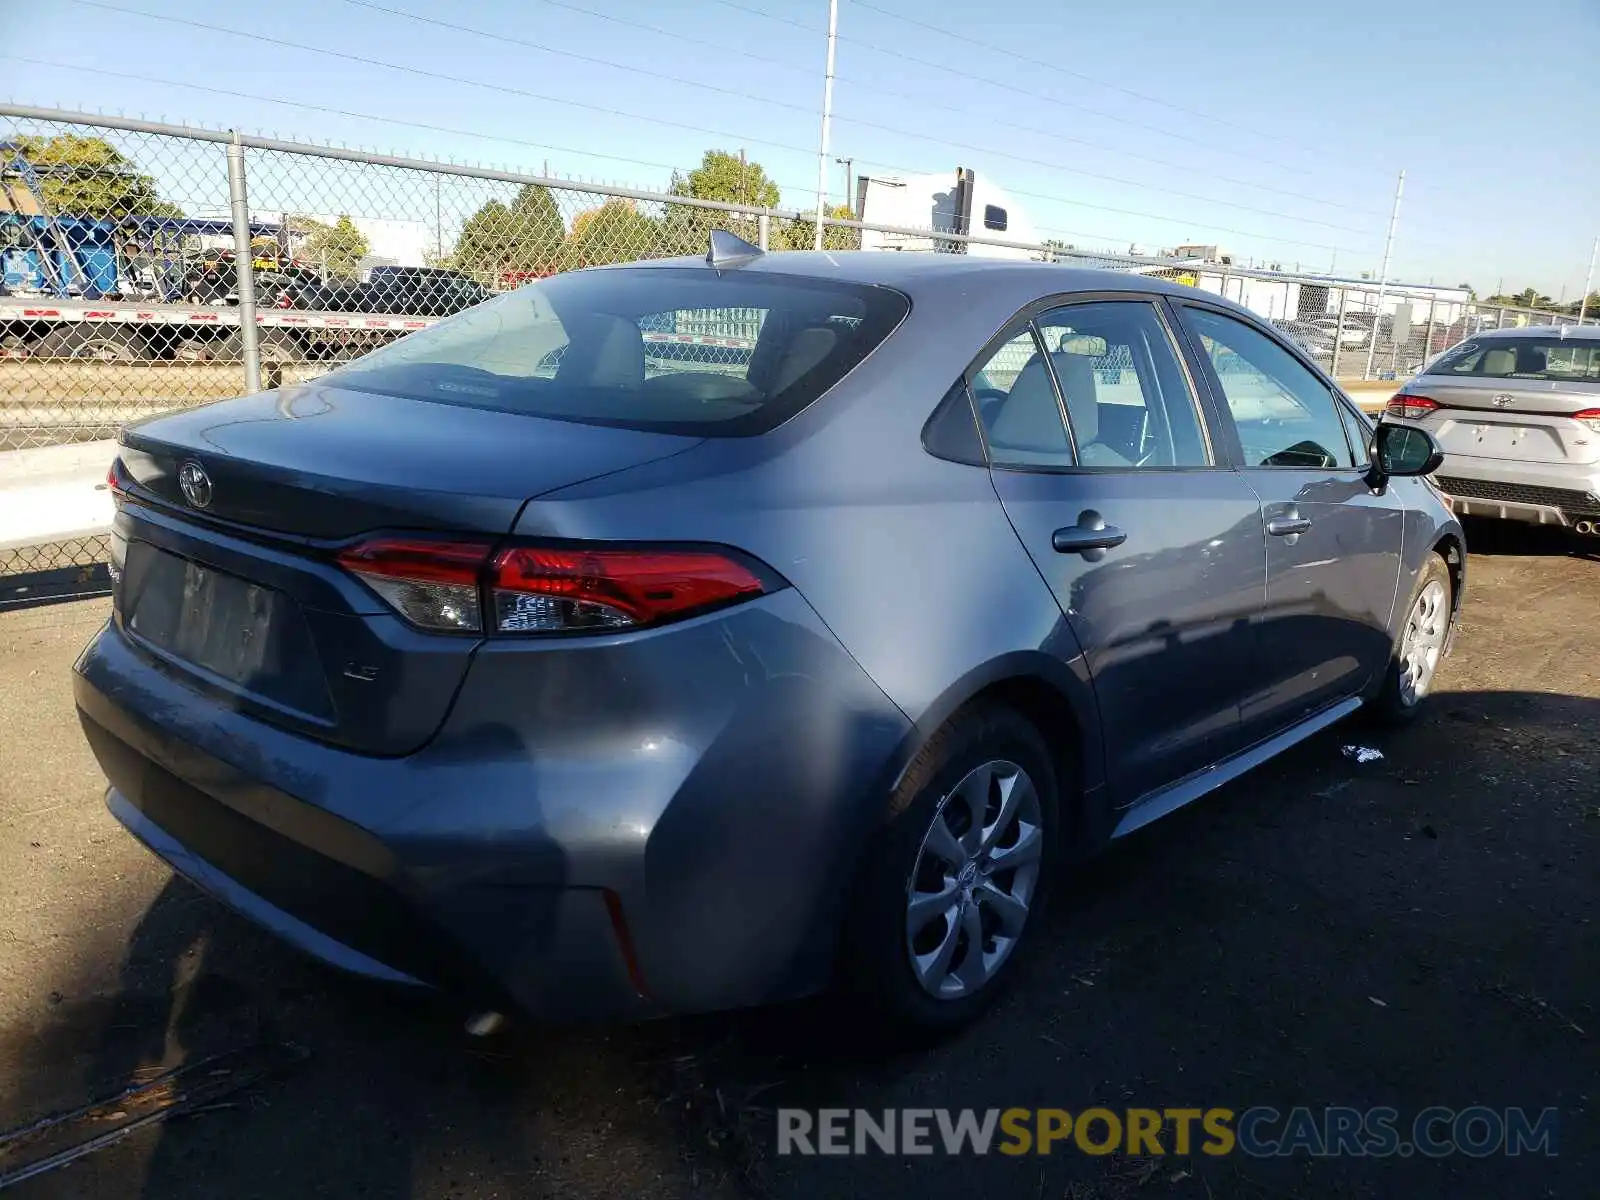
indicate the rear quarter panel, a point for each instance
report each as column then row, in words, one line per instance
column 909, row 559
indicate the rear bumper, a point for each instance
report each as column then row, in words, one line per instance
column 675, row 850
column 1537, row 494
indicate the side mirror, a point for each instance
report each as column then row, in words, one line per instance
column 1401, row 451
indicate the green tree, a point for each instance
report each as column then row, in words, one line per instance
column 1526, row 298
column 89, row 177
column 337, row 248
column 1056, row 249
column 523, row 237
column 614, row 232
column 722, row 176
column 802, row 234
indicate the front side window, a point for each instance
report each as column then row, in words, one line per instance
column 677, row 350
column 1359, row 431
column 1285, row 415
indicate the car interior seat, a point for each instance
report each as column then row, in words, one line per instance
column 1029, row 419
column 603, row 351
column 806, row 348
column 1500, row 361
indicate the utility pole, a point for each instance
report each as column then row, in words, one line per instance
column 827, row 118
column 744, row 186
column 849, row 184
column 438, row 222
column 1383, row 275
column 1583, row 305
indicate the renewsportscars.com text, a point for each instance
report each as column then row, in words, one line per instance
column 1259, row 1132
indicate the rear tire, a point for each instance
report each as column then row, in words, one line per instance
column 953, row 888
column 100, row 343
column 1418, row 648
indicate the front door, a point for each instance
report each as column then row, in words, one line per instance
column 1333, row 543
column 1152, row 545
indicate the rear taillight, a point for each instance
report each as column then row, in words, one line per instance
column 450, row 585
column 434, row 585
column 1411, row 408
column 114, row 483
column 543, row 589
column 1589, row 417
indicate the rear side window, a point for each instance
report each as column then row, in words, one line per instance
column 1523, row 358
column 674, row 350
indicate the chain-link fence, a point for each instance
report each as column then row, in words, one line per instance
column 145, row 268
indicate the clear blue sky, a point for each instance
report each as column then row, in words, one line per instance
column 1276, row 130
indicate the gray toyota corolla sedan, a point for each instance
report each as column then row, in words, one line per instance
column 694, row 634
column 1517, row 414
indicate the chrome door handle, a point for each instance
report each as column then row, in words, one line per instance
column 1288, row 526
column 1090, row 537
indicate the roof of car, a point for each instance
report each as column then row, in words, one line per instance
column 911, row 272
column 1588, row 333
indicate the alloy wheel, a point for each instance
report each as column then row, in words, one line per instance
column 976, row 874
column 1423, row 642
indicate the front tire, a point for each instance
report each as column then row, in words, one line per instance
column 1419, row 647
column 953, row 888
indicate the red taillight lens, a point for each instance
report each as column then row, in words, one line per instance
column 114, row 483
column 1590, row 417
column 444, row 585
column 544, row 589
column 434, row 585
column 1411, row 408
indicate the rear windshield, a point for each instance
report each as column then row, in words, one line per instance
column 1523, row 358
column 676, row 350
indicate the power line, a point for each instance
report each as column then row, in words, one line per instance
column 946, row 69
column 588, row 58
column 892, row 129
column 504, row 89
column 1060, row 70
column 341, row 112
column 924, row 101
column 1130, row 212
column 438, row 75
column 1264, row 212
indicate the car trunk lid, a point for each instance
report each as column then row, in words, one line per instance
column 1518, row 420
column 243, row 593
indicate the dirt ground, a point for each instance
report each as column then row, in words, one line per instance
column 1417, row 931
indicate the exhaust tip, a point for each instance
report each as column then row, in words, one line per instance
column 486, row 1024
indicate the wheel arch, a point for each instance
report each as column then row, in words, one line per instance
column 1056, row 696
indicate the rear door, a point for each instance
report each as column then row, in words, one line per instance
column 1333, row 544
column 1133, row 515
column 1515, row 399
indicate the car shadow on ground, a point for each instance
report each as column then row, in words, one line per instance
column 1516, row 539
column 1413, row 932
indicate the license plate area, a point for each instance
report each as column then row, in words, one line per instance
column 1496, row 439
column 228, row 628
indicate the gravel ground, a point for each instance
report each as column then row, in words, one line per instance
column 1417, row 931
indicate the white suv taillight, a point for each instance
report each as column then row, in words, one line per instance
column 1589, row 417
column 1410, row 408
column 449, row 586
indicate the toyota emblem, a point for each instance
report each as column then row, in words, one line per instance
column 195, row 484
column 1502, row 400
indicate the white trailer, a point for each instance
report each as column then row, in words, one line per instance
column 960, row 202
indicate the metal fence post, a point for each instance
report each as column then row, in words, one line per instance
column 764, row 227
column 1427, row 347
column 244, row 267
column 1338, row 334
